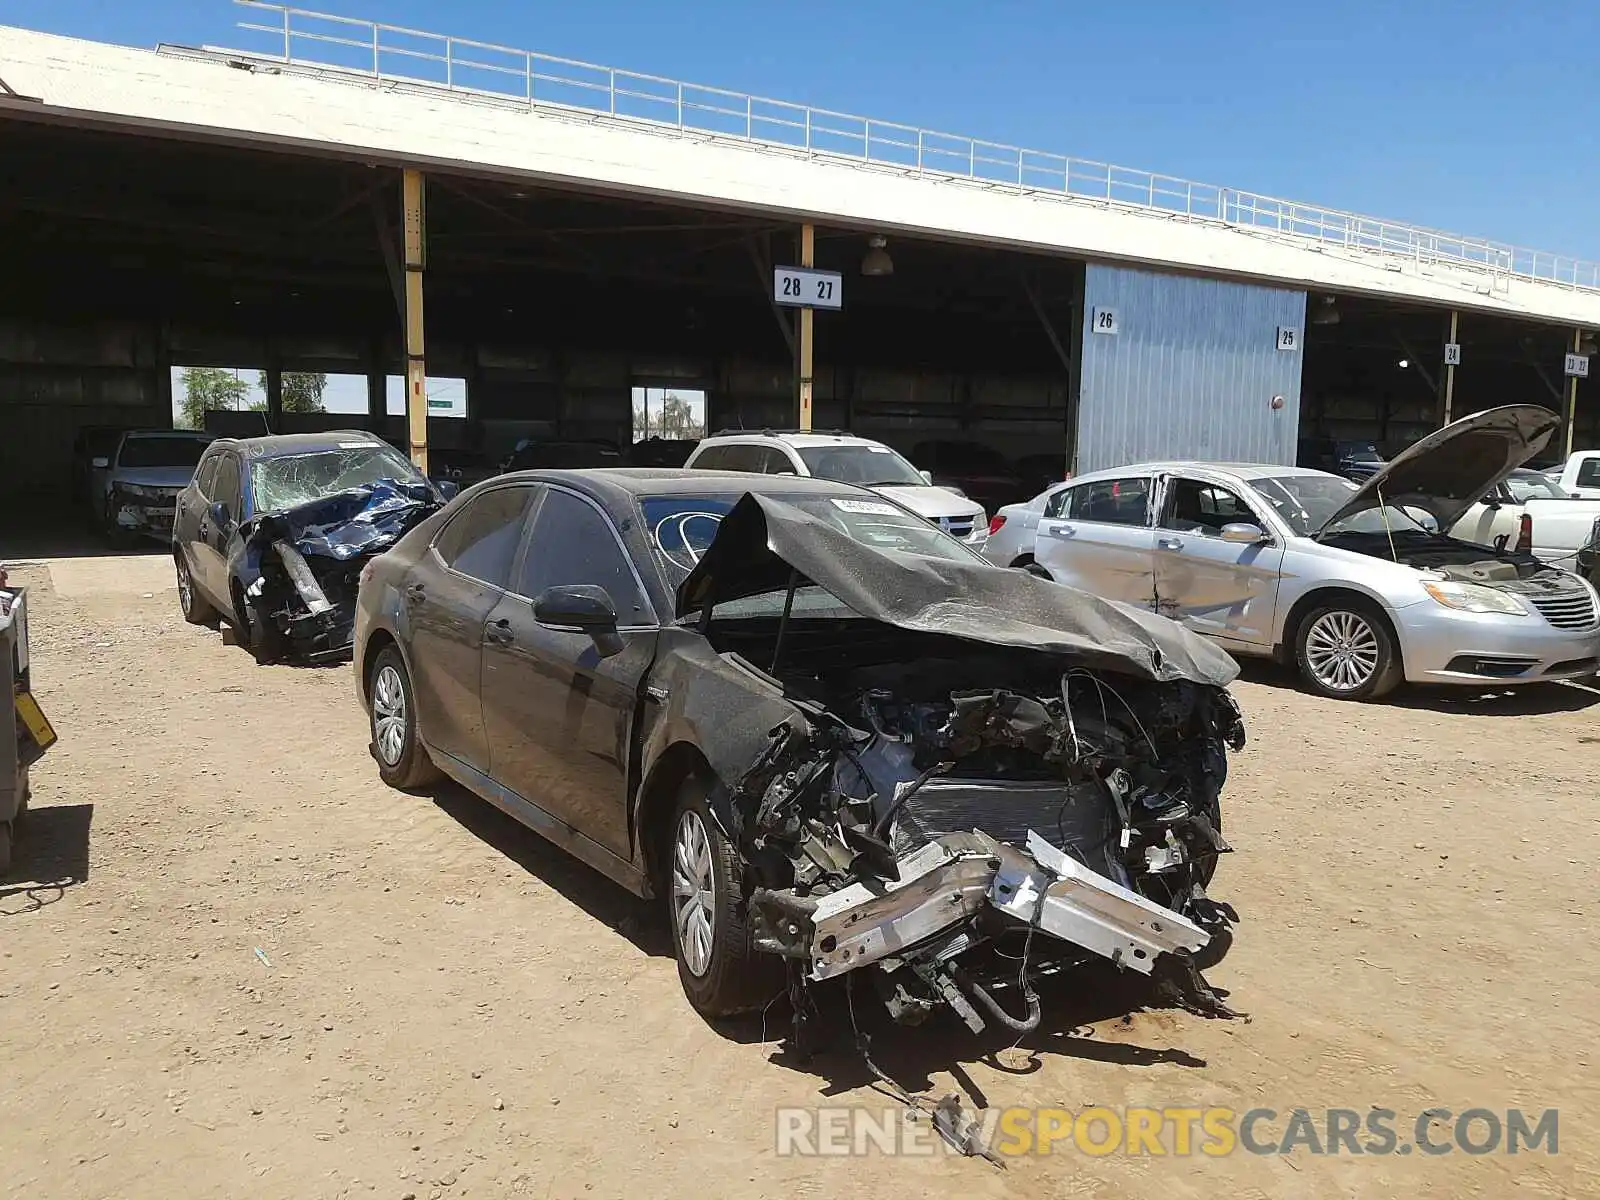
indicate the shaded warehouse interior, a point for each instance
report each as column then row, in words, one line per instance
column 130, row 253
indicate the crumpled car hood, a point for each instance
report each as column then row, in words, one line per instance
column 1450, row 470
column 352, row 522
column 762, row 542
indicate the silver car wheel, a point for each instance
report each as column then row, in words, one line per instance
column 1342, row 651
column 389, row 716
column 185, row 587
column 693, row 893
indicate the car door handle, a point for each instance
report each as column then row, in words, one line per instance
column 415, row 593
column 1055, row 530
column 498, row 633
column 1170, row 543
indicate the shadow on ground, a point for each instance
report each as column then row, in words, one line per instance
column 61, row 532
column 1530, row 699
column 51, row 855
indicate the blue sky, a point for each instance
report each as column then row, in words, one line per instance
column 1475, row 117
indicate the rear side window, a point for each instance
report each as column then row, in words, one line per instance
column 711, row 458
column 1589, row 473
column 481, row 540
column 1111, row 502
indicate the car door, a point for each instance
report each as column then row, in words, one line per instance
column 1225, row 589
column 1096, row 536
column 215, row 530
column 559, row 717
column 448, row 596
column 192, row 504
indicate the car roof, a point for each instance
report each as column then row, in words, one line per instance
column 1245, row 471
column 788, row 437
column 276, row 445
column 622, row 482
column 198, row 435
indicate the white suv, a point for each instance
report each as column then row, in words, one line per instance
column 848, row 459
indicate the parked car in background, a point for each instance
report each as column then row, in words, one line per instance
column 844, row 458
column 768, row 700
column 661, row 452
column 976, row 470
column 1579, row 476
column 532, row 454
column 272, row 533
column 1349, row 583
column 1354, row 459
column 1530, row 511
column 1039, row 472
column 134, row 485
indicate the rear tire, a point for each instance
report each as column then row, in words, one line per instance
column 402, row 761
column 721, row 972
column 1346, row 651
column 196, row 609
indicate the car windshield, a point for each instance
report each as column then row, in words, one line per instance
column 161, row 452
column 867, row 465
column 1531, row 485
column 681, row 527
column 293, row 479
column 1305, row 502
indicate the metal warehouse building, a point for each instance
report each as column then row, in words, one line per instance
column 363, row 200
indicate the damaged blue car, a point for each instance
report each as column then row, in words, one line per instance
column 272, row 533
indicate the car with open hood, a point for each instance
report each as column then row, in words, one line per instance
column 1353, row 584
column 831, row 739
column 272, row 532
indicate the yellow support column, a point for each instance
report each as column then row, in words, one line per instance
column 808, row 258
column 1450, row 369
column 1572, row 391
column 413, row 194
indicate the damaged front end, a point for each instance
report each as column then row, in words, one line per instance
column 957, row 845
column 984, row 778
column 302, row 565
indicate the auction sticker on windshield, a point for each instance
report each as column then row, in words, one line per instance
column 876, row 508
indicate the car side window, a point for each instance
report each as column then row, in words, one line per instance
column 226, row 485
column 206, row 476
column 1194, row 506
column 776, row 462
column 741, row 458
column 481, row 540
column 711, row 458
column 1059, row 503
column 572, row 543
column 1589, row 473
column 1112, row 501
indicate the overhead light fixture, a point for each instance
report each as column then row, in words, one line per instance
column 1403, row 363
column 1586, row 345
column 877, row 263
column 1327, row 312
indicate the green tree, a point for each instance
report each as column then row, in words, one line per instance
column 302, row 390
column 209, row 387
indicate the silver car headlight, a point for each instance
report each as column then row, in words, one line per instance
column 1474, row 598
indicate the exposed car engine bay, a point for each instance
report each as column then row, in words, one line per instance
column 959, row 825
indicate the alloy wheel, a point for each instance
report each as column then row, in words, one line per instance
column 389, row 716
column 185, row 587
column 692, row 892
column 1342, row 651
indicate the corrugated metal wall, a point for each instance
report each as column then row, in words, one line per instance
column 1190, row 371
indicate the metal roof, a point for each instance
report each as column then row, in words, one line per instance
column 383, row 94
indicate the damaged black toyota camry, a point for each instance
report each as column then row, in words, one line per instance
column 836, row 743
column 272, row 533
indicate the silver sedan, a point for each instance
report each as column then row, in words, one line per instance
column 1360, row 594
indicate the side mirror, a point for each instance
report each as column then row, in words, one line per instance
column 584, row 607
column 220, row 516
column 1491, row 502
column 100, row 462
column 448, row 488
column 1241, row 533
column 927, row 477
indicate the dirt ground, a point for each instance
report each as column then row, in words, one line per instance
column 233, row 964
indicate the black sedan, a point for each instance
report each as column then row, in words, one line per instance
column 773, row 701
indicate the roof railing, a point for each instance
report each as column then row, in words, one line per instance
column 395, row 55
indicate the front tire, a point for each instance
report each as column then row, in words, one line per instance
column 402, row 762
column 721, row 972
column 1347, row 651
column 255, row 631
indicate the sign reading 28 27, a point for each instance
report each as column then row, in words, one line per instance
column 802, row 287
